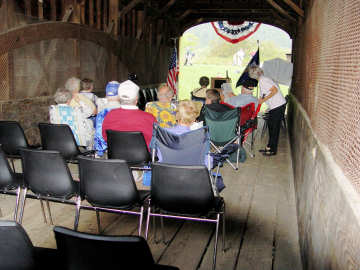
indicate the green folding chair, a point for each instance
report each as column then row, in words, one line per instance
column 223, row 128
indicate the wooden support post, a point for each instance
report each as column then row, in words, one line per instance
column 98, row 14
column 82, row 12
column 133, row 23
column 40, row 9
column 113, row 16
column 105, row 14
column 53, row 10
column 128, row 24
column 91, row 13
column 139, row 24
column 123, row 26
column 28, row 8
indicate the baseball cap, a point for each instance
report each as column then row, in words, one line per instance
column 112, row 88
column 128, row 90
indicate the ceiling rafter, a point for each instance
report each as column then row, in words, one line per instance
column 295, row 7
column 128, row 7
column 281, row 10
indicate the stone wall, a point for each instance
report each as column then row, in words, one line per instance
column 327, row 203
column 29, row 112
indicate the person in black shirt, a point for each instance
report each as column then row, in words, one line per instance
column 212, row 102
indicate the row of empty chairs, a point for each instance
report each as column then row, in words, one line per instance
column 75, row 251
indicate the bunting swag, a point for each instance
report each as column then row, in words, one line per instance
column 244, row 78
column 235, row 32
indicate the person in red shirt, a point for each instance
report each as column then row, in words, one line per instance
column 128, row 117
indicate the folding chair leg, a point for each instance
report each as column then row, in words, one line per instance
column 223, row 229
column 162, row 230
column 232, row 165
column 141, row 219
column 43, row 210
column 216, row 239
column 17, row 203
column 50, row 217
column 147, row 221
column 98, row 220
column 77, row 213
column 22, row 205
column 155, row 231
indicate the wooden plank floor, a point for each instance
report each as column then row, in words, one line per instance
column 261, row 221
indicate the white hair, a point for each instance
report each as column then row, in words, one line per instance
column 62, row 96
column 73, row 84
column 255, row 72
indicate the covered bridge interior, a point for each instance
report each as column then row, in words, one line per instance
column 42, row 43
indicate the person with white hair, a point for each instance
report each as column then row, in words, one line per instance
column 128, row 117
column 75, row 117
column 73, row 85
column 270, row 94
column 163, row 110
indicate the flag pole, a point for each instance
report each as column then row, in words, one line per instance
column 257, row 87
column 177, row 57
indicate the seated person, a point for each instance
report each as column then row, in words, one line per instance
column 111, row 99
column 87, row 88
column 186, row 114
column 212, row 102
column 128, row 117
column 163, row 110
column 73, row 85
column 242, row 99
column 199, row 94
column 75, row 117
column 105, row 105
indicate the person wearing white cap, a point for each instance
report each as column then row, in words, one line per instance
column 128, row 117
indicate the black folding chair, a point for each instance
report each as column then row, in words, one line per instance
column 47, row 175
column 84, row 251
column 59, row 137
column 185, row 192
column 108, row 185
column 129, row 146
column 12, row 138
column 10, row 182
column 17, row 251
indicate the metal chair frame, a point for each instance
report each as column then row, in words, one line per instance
column 220, row 216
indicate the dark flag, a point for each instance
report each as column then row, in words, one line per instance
column 255, row 60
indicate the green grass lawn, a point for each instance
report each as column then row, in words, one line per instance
column 189, row 78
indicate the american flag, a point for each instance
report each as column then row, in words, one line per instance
column 173, row 71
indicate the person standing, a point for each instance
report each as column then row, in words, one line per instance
column 270, row 94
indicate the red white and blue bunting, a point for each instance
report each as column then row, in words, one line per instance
column 235, row 32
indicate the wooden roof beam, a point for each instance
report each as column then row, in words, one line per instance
column 295, row 7
column 128, row 7
column 281, row 10
column 186, row 13
column 168, row 5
